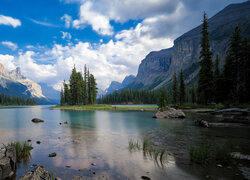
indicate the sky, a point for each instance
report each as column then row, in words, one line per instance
column 46, row 38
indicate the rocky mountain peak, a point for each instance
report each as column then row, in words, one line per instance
column 3, row 70
column 16, row 74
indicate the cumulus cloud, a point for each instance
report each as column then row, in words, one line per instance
column 99, row 22
column 67, row 19
column 66, row 35
column 7, row 20
column 10, row 45
column 7, row 61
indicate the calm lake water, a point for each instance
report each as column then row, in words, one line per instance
column 102, row 137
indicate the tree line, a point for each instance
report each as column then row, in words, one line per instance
column 81, row 89
column 15, row 100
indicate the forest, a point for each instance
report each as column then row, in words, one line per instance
column 15, row 100
column 82, row 89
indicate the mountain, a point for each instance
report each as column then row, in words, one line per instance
column 115, row 86
column 157, row 68
column 52, row 94
column 15, row 84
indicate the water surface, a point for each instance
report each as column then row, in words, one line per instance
column 101, row 137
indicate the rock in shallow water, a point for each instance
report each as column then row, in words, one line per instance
column 169, row 113
column 39, row 173
column 52, row 154
column 7, row 162
column 202, row 123
column 36, row 120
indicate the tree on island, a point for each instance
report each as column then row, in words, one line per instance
column 162, row 100
column 182, row 88
column 174, row 89
column 205, row 82
column 80, row 90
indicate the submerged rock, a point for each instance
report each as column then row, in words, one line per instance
column 202, row 123
column 145, row 177
column 52, row 154
column 36, row 120
column 39, row 173
column 7, row 162
column 170, row 113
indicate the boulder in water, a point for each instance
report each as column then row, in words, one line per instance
column 36, row 120
column 169, row 113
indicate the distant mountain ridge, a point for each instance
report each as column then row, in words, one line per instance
column 15, row 84
column 115, row 86
column 157, row 68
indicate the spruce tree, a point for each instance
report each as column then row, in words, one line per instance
column 182, row 88
column 193, row 95
column 205, row 82
column 174, row 89
column 231, row 68
column 162, row 102
column 73, row 86
column 85, row 87
column 218, row 91
column 62, row 99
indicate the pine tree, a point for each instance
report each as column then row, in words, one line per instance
column 218, row 91
column 205, row 83
column 182, row 88
column 93, row 89
column 193, row 95
column 174, row 89
column 62, row 99
column 162, row 102
column 85, row 87
column 67, row 94
column 231, row 68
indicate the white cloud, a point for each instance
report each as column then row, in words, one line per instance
column 7, row 20
column 99, row 22
column 66, row 35
column 67, row 19
column 43, row 23
column 7, row 61
column 10, row 45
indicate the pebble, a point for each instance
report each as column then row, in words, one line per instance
column 145, row 177
column 52, row 155
column 38, row 142
column 93, row 164
column 219, row 165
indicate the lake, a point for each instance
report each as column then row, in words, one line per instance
column 99, row 140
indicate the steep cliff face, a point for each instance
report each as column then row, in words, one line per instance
column 152, row 69
column 15, row 84
column 186, row 50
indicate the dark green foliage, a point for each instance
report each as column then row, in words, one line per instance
column 15, row 100
column 205, row 82
column 236, row 70
column 81, row 90
column 193, row 95
column 162, row 100
column 128, row 96
column 175, row 89
column 182, row 88
column 200, row 153
column 218, row 82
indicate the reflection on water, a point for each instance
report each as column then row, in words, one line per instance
column 101, row 138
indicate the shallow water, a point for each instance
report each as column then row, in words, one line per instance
column 101, row 137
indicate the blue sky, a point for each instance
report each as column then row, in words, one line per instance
column 47, row 37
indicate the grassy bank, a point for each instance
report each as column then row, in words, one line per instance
column 104, row 107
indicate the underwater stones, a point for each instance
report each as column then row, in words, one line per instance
column 145, row 177
column 36, row 120
column 169, row 113
column 52, row 154
column 39, row 173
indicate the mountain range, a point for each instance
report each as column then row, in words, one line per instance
column 157, row 69
column 115, row 86
column 15, row 84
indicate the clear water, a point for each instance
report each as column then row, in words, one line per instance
column 102, row 137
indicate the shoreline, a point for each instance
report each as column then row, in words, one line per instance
column 104, row 107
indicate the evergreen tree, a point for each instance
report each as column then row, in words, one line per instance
column 182, row 88
column 218, row 91
column 67, row 94
column 85, row 87
column 62, row 99
column 93, row 89
column 73, row 86
column 205, row 83
column 193, row 95
column 162, row 102
column 231, row 68
column 174, row 89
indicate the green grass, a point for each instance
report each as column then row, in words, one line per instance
column 158, row 155
column 103, row 107
column 200, row 153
